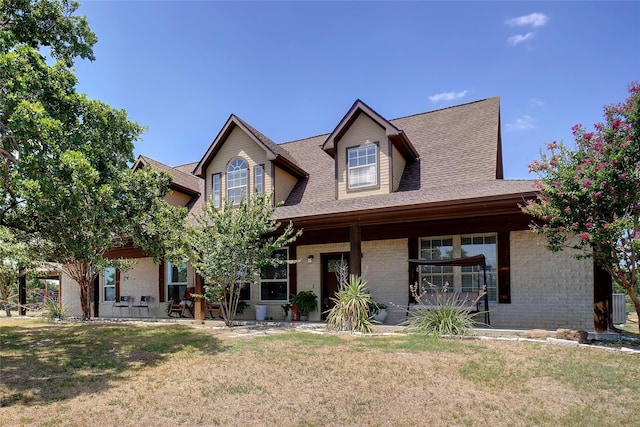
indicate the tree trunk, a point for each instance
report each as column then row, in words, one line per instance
column 84, row 299
column 7, row 309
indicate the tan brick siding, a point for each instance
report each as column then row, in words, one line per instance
column 548, row 290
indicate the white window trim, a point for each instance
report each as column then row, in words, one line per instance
column 244, row 187
column 275, row 281
column 457, row 273
column 105, row 286
column 350, row 184
column 216, row 195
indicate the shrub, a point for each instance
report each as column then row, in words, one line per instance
column 448, row 317
column 351, row 309
column 54, row 310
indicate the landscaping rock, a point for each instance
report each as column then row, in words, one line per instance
column 538, row 333
column 573, row 335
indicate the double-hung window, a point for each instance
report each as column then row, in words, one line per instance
column 433, row 277
column 215, row 190
column 465, row 278
column 258, row 179
column 362, row 165
column 109, row 284
column 274, row 279
column 472, row 277
column 176, row 280
column 237, row 179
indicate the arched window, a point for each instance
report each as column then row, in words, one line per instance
column 237, row 181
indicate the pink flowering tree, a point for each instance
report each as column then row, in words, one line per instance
column 589, row 198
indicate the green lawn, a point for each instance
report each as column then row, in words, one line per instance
column 102, row 374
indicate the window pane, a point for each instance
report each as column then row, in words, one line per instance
column 177, row 273
column 215, row 185
column 362, row 166
column 273, row 291
column 109, row 284
column 110, row 276
column 236, row 181
column 259, row 179
column 110, row 293
column 473, row 277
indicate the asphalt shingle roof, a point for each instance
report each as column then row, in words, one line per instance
column 459, row 149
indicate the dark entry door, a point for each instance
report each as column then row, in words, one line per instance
column 330, row 263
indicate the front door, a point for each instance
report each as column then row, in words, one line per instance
column 330, row 264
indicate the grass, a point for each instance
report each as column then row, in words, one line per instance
column 99, row 374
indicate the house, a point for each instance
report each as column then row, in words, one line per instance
column 375, row 193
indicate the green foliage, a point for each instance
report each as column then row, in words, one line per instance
column 589, row 196
column 351, row 311
column 46, row 23
column 16, row 258
column 305, row 302
column 65, row 158
column 448, row 316
column 53, row 310
column 228, row 247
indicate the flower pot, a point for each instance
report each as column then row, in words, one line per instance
column 381, row 315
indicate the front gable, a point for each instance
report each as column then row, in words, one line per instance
column 370, row 153
column 239, row 145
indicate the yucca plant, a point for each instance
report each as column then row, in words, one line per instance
column 53, row 309
column 448, row 317
column 351, row 309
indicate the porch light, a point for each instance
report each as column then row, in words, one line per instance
column 310, row 259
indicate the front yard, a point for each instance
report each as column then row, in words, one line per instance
column 98, row 374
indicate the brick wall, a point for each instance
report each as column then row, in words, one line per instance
column 548, row 290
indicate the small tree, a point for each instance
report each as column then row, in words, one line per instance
column 228, row 247
column 592, row 194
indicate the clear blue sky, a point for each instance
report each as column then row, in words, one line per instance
column 292, row 69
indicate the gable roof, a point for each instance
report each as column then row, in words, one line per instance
column 454, row 165
column 397, row 136
column 276, row 153
column 182, row 181
column 459, row 159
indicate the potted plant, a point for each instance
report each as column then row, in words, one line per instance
column 286, row 309
column 306, row 302
column 378, row 311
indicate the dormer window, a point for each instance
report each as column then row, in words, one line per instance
column 237, row 179
column 363, row 166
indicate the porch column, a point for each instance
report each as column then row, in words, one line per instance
column 355, row 254
column 22, row 293
column 199, row 313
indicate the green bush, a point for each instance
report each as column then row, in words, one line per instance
column 351, row 309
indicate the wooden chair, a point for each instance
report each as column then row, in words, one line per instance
column 175, row 308
column 212, row 309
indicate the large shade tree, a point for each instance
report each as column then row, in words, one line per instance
column 65, row 159
column 229, row 246
column 589, row 197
